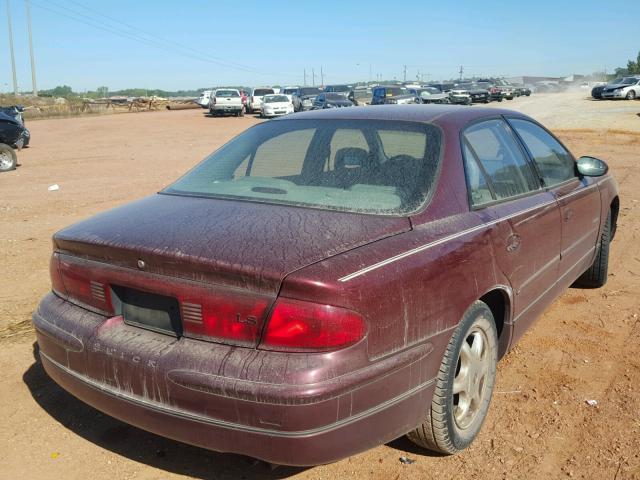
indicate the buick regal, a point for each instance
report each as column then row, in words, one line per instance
column 328, row 281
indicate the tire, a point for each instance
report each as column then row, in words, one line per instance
column 596, row 274
column 8, row 158
column 447, row 429
column 631, row 95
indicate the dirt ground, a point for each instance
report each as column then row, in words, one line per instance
column 585, row 346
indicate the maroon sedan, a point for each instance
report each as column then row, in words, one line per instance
column 327, row 282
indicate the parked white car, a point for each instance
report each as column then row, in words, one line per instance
column 226, row 100
column 628, row 88
column 203, row 99
column 255, row 100
column 276, row 105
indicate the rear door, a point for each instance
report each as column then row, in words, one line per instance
column 578, row 198
column 506, row 193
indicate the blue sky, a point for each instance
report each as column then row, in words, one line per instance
column 191, row 44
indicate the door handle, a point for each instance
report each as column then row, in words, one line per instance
column 513, row 242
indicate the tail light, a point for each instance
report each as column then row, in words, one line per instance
column 74, row 283
column 226, row 315
column 297, row 326
column 214, row 313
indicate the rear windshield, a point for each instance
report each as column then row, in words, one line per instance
column 259, row 92
column 276, row 99
column 227, row 93
column 341, row 88
column 334, row 96
column 377, row 167
column 309, row 91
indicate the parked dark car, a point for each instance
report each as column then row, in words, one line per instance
column 495, row 93
column 17, row 111
column 303, row 97
column 327, row 281
column 331, row 100
column 443, row 87
column 596, row 92
column 344, row 90
column 361, row 96
column 429, row 95
column 392, row 95
column 477, row 93
column 12, row 135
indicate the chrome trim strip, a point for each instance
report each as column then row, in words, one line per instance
column 569, row 270
column 440, row 241
column 535, row 275
column 579, row 241
column 230, row 425
column 576, row 192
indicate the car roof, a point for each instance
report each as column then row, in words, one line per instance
column 458, row 114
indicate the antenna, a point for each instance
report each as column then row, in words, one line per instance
column 461, row 71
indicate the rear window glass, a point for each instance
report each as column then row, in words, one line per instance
column 276, row 99
column 377, row 167
column 227, row 93
column 259, row 92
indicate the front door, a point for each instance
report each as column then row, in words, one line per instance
column 578, row 198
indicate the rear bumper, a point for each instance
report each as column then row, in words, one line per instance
column 239, row 400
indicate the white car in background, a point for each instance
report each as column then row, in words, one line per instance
column 255, row 100
column 203, row 99
column 276, row 105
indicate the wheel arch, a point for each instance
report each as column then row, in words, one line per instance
column 615, row 209
column 499, row 301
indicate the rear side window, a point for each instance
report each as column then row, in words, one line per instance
column 495, row 166
column 553, row 161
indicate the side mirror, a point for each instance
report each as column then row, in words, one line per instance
column 591, row 167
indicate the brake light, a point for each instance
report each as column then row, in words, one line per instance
column 298, row 326
column 80, row 288
column 56, row 278
column 226, row 317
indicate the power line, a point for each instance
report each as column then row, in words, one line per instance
column 96, row 23
column 137, row 31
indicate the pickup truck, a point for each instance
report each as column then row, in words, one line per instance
column 226, row 100
column 255, row 100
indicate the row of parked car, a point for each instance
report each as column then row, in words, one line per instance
column 13, row 136
column 627, row 88
column 271, row 102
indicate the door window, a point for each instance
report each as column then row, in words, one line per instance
column 496, row 167
column 554, row 163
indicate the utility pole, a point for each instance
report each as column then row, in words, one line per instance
column 13, row 58
column 305, row 77
column 313, row 77
column 369, row 74
column 404, row 74
column 461, row 71
column 321, row 77
column 33, row 62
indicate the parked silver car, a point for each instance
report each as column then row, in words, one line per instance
column 628, row 88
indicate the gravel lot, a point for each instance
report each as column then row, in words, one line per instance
column 584, row 347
